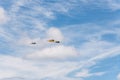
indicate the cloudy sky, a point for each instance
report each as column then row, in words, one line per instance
column 89, row 31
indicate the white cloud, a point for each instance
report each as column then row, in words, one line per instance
column 106, row 54
column 88, row 38
column 45, row 9
column 45, row 12
column 54, row 52
column 114, row 4
column 55, row 33
column 108, row 4
column 14, row 67
column 11, row 67
column 16, row 6
column 6, row 74
column 93, row 48
column 85, row 73
column 3, row 16
column 40, row 25
column 118, row 77
column 54, row 70
column 17, row 63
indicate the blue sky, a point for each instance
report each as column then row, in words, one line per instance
column 88, row 31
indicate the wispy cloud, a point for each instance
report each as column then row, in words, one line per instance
column 85, row 73
column 3, row 16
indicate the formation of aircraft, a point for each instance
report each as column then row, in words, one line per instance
column 50, row 41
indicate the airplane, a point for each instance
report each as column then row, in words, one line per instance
column 57, row 41
column 33, row 43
